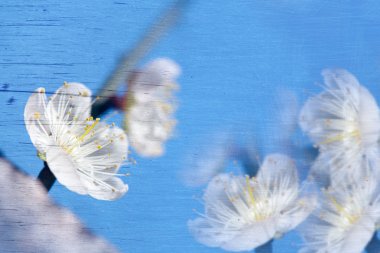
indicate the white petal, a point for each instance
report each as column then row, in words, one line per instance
column 216, row 190
column 369, row 117
column 243, row 240
column 358, row 236
column 167, row 68
column 302, row 210
column 109, row 189
column 150, row 149
column 142, row 138
column 278, row 167
column 339, row 78
column 155, row 80
column 64, row 169
column 35, row 121
column 208, row 235
column 72, row 100
column 251, row 237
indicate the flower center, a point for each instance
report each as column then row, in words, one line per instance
column 257, row 215
column 88, row 128
column 87, row 131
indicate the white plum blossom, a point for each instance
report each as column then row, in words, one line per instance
column 83, row 153
column 150, row 105
column 242, row 213
column 344, row 123
column 30, row 222
column 346, row 220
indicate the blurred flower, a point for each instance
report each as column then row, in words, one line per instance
column 83, row 153
column 200, row 171
column 215, row 157
column 242, row 213
column 30, row 222
column 149, row 106
column 208, row 160
column 347, row 219
column 344, row 123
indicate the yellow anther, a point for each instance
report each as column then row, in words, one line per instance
column 41, row 90
column 88, row 129
column 99, row 147
column 250, row 190
column 65, row 84
column 37, row 115
column 341, row 210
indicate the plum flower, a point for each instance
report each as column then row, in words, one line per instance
column 344, row 123
column 83, row 153
column 347, row 219
column 242, row 213
column 150, row 105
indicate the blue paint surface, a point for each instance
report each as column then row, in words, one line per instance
column 234, row 57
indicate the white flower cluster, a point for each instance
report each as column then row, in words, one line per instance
column 344, row 123
column 243, row 213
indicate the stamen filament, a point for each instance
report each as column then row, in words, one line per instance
column 341, row 137
column 88, row 129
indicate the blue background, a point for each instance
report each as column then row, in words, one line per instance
column 234, row 55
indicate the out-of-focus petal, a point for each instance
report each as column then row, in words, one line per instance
column 30, row 222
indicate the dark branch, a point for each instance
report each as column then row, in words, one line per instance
column 46, row 177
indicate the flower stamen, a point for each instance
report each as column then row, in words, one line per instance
column 341, row 137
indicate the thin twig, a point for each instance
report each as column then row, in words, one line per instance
column 129, row 60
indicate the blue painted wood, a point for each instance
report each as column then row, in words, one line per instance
column 234, row 57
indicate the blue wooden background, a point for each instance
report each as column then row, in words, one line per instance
column 235, row 55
